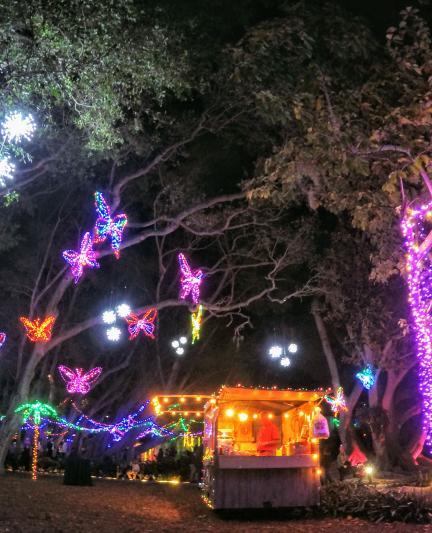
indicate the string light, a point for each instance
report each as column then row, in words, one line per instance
column 109, row 317
column 17, row 127
column 337, row 403
column 77, row 381
column 123, row 310
column 3, row 338
column 415, row 227
column 85, row 257
column 190, row 280
column 196, row 319
column 108, row 226
column 144, row 324
column 38, row 330
column 367, row 376
column 7, row 170
column 113, row 334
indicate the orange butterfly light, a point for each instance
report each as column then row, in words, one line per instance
column 39, row 330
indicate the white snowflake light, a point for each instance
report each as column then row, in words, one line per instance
column 285, row 361
column 183, row 340
column 6, row 170
column 180, row 351
column 17, row 126
column 292, row 348
column 275, row 352
column 113, row 334
column 109, row 317
column 123, row 310
column 175, row 344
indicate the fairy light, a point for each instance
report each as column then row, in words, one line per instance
column 196, row 319
column 113, row 334
column 107, row 225
column 337, row 402
column 229, row 412
column 109, row 317
column 144, row 324
column 84, row 258
column 77, row 381
column 35, row 452
column 123, row 310
column 38, row 330
column 16, row 127
column 367, row 376
column 190, row 280
column 415, row 227
column 7, row 170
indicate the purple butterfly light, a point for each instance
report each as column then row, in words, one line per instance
column 86, row 257
column 190, row 280
column 77, row 381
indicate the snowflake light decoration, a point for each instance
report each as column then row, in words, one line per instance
column 285, row 361
column 39, row 330
column 17, row 127
column 196, row 319
column 123, row 310
column 109, row 317
column 337, row 403
column 6, row 170
column 107, row 225
column 77, row 381
column 190, row 280
column 416, row 226
column 3, row 338
column 85, row 257
column 113, row 334
column 367, row 376
column 144, row 324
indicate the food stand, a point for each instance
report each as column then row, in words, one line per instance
column 261, row 449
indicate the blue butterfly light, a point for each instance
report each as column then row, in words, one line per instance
column 367, row 376
column 107, row 225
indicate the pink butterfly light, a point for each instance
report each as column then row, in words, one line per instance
column 145, row 324
column 78, row 382
column 108, row 226
column 3, row 338
column 190, row 280
column 86, row 257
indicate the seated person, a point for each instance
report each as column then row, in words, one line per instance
column 268, row 437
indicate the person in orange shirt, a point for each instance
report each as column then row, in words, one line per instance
column 268, row 437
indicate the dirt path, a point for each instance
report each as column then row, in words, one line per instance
column 123, row 506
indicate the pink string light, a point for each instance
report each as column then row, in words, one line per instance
column 416, row 225
column 77, row 381
column 85, row 257
column 190, row 280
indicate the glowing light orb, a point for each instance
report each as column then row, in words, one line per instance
column 17, row 126
column 243, row 417
column 292, row 348
column 109, row 317
column 175, row 344
column 275, row 352
column 123, row 310
column 113, row 334
column 183, row 340
column 180, row 351
column 285, row 361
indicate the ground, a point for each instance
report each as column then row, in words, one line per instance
column 134, row 506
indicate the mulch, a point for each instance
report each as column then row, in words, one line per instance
column 133, row 506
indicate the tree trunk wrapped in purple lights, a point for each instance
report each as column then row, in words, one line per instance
column 416, row 228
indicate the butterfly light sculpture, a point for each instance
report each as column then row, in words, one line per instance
column 38, row 330
column 190, row 280
column 3, row 338
column 337, row 403
column 196, row 319
column 77, row 381
column 144, row 324
column 107, row 225
column 367, row 376
column 85, row 257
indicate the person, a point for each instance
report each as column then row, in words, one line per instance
column 268, row 437
column 50, row 447
column 343, row 463
column 134, row 471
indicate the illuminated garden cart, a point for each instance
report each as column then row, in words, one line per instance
column 261, row 448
